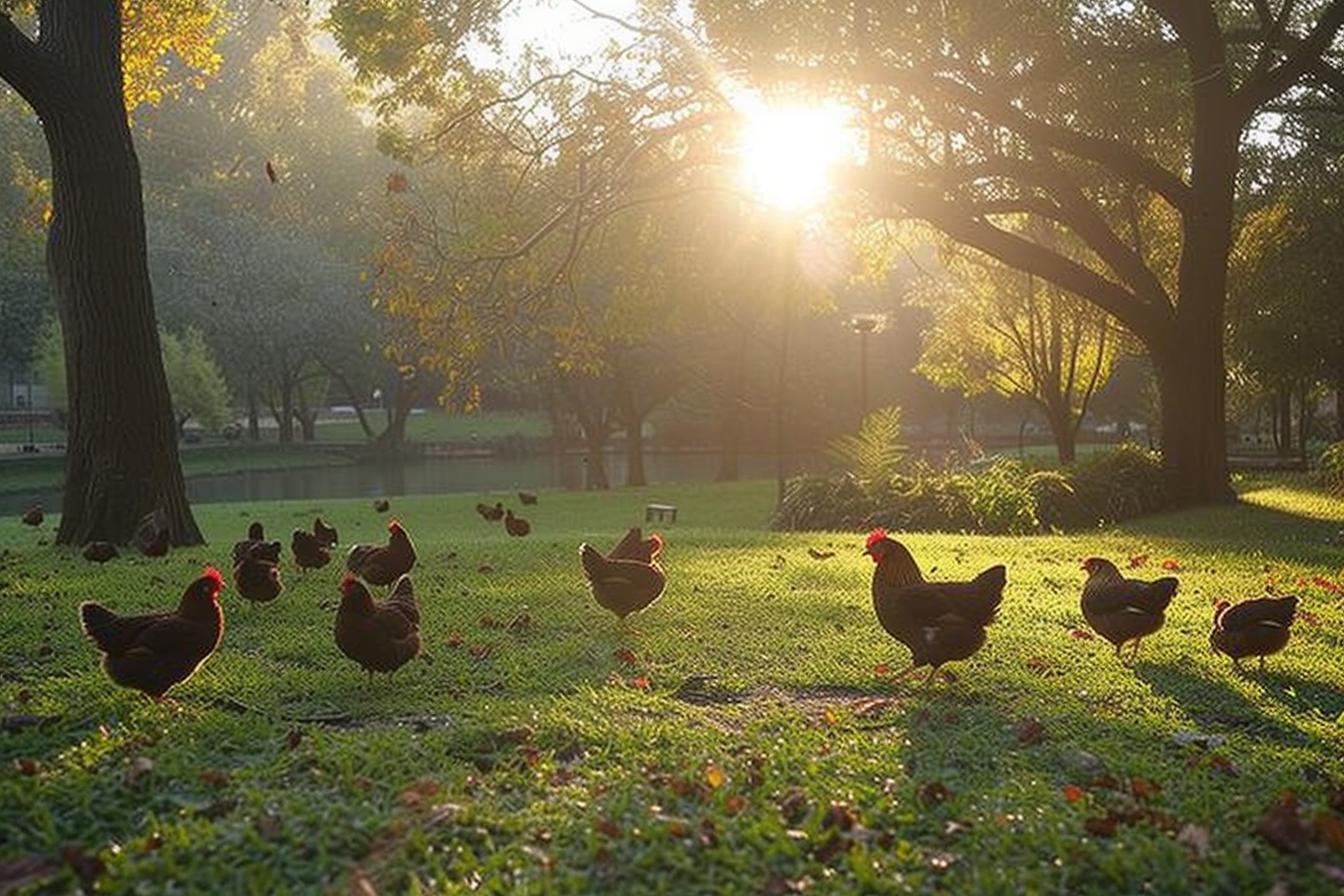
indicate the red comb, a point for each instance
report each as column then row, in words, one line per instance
column 213, row 575
column 874, row 537
column 393, row 525
column 348, row 582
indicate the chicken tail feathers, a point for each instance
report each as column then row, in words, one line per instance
column 993, row 579
column 403, row 600
column 1157, row 596
column 98, row 622
column 593, row 561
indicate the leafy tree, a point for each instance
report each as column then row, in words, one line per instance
column 194, row 380
column 1000, row 330
column 80, row 75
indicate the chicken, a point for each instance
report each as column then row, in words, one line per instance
column 634, row 546
column 154, row 652
column 256, row 534
column 309, row 552
column 527, row 498
column 33, row 516
column 99, row 551
column 491, row 514
column 620, row 584
column 383, row 565
column 1123, row 610
column 516, row 525
column 1252, row 628
column 256, row 577
column 151, row 534
column 939, row 621
column 382, row 636
column 325, row 533
column 381, row 505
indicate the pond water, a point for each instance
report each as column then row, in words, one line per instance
column 430, row 476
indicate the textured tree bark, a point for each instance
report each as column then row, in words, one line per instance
column 1190, row 379
column 1065, row 435
column 1339, row 405
column 121, row 459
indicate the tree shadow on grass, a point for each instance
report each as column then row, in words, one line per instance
column 1215, row 704
column 1242, row 527
column 1301, row 695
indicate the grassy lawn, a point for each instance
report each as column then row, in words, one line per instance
column 748, row 748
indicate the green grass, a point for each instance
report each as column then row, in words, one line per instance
column 543, row 767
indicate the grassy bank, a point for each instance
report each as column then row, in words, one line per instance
column 748, row 747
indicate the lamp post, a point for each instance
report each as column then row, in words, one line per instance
column 865, row 325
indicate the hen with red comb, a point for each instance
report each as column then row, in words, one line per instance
column 383, row 564
column 154, row 652
column 382, row 636
column 939, row 621
column 629, row 578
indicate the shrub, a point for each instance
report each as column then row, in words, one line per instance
column 874, row 452
column 1332, row 467
column 998, row 497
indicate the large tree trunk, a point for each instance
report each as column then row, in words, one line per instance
column 1190, row 380
column 595, row 460
column 393, row 437
column 284, row 417
column 634, row 452
column 1064, row 432
column 121, row 458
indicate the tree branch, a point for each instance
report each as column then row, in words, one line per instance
column 1301, row 59
column 26, row 67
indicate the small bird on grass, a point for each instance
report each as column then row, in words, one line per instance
column 1124, row 610
column 939, row 621
column 1256, row 628
column 152, row 653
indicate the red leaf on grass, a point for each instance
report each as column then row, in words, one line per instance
column 1101, row 826
column 1072, row 793
column 1308, row 617
column 454, row 639
column 1282, row 827
column 640, row 682
column 626, row 656
column 1326, row 584
column 1171, row 565
column 1137, row 560
column 1142, row 788
column 881, row 670
column 1079, row 634
column 606, row 827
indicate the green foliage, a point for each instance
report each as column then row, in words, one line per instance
column 195, row 382
column 1332, row 467
column 874, row 451
column 50, row 364
column 999, row 497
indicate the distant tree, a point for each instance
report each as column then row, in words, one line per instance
column 49, row 359
column 1000, row 330
column 194, row 381
column 80, row 75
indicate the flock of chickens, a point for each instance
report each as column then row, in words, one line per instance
column 939, row 622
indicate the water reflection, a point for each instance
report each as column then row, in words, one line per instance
column 429, row 476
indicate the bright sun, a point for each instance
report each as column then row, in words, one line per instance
column 789, row 151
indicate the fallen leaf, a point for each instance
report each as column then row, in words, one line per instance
column 485, row 568
column 1073, row 793
column 933, row 793
column 793, row 805
column 640, row 682
column 1308, row 617
column 28, row 767
column 626, row 656
column 1137, row 560
column 480, row 651
column 816, row 554
column 1030, row 731
column 834, row 845
column 881, row 670
column 734, row 804
column 1196, row 839
column 829, row 718
column 1282, row 827
column 606, row 827
column 454, row 639
column 140, row 767
column 215, row 778
column 1101, row 826
column 86, row 866
column 1171, row 565
column 1326, row 584
column 293, row 738
column 1079, row 634
column 1329, row 828
column 1142, row 788
column 714, row 776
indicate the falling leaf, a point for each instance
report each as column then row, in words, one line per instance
column 933, row 793
column 1030, row 731
column 1282, row 827
column 1073, row 793
column 1196, row 839
column 1137, row 561
column 626, row 656
column 1171, row 565
column 1079, row 634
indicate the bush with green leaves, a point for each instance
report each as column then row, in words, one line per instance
column 874, row 452
column 1332, row 467
column 999, row 496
